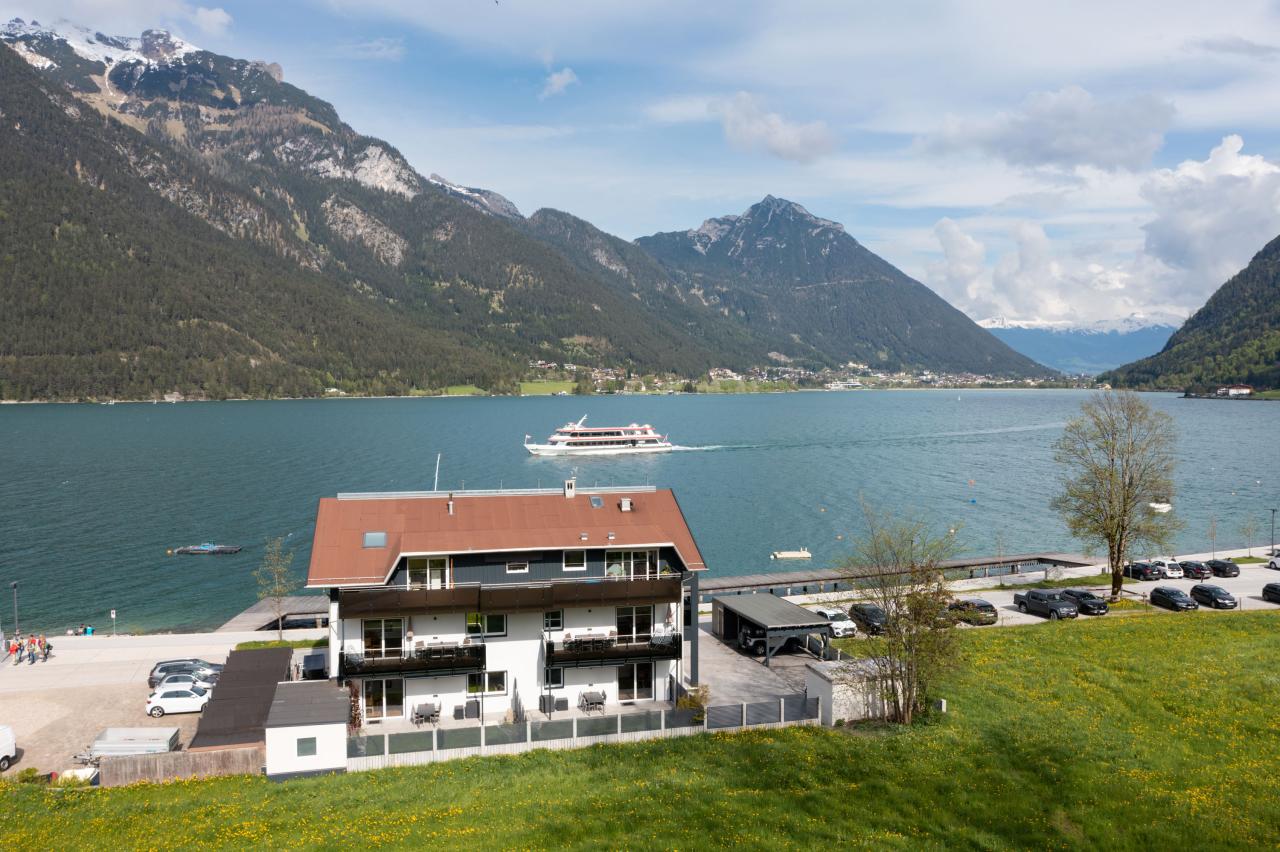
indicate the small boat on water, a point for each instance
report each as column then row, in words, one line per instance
column 207, row 549
column 802, row 553
column 577, row 439
column 1160, row 505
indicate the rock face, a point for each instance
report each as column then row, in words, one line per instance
column 354, row 225
column 484, row 200
column 802, row 282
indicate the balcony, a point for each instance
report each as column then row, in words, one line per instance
column 515, row 597
column 424, row 661
column 577, row 652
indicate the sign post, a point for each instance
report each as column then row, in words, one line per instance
column 113, row 624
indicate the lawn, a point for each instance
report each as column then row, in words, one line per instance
column 463, row 390
column 1150, row 733
column 1092, row 581
column 282, row 643
column 545, row 388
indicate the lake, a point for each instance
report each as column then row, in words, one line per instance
column 91, row 496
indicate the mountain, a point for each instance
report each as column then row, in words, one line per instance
column 1085, row 349
column 1233, row 339
column 816, row 293
column 232, row 144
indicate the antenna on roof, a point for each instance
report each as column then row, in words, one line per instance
column 435, row 486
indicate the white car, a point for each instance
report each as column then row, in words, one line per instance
column 1172, row 570
column 1274, row 564
column 184, row 680
column 187, row 699
column 841, row 624
column 8, row 747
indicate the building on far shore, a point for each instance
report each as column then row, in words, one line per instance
column 478, row 603
column 1235, row 390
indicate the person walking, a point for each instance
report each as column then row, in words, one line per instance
column 31, row 650
column 15, row 648
column 45, row 648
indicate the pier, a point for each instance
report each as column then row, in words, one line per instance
column 819, row 580
column 299, row 611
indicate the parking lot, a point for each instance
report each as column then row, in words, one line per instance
column 58, row 707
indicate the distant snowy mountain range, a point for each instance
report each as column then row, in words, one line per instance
column 1088, row 348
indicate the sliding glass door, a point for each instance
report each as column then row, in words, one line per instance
column 634, row 623
column 384, row 699
column 635, row 682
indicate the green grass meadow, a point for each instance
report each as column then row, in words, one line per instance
column 1136, row 733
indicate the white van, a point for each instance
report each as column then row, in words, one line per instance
column 8, row 747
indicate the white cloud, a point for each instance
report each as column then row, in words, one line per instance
column 214, row 22
column 962, row 276
column 1065, row 129
column 1234, row 45
column 681, row 109
column 557, row 82
column 747, row 125
column 1211, row 216
column 383, row 49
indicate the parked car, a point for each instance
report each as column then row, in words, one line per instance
column 164, row 667
column 1274, row 562
column 1047, row 602
column 1141, row 571
column 183, row 679
column 189, row 699
column 1086, row 601
column 185, row 668
column 870, row 618
column 1172, row 598
column 975, row 611
column 1271, row 592
column 841, row 624
column 1214, row 597
column 1193, row 570
column 1169, row 568
column 8, row 747
column 1223, row 568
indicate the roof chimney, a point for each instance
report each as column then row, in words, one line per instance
column 450, row 503
column 624, row 504
column 570, row 488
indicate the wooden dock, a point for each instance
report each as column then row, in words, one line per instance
column 812, row 581
column 297, row 608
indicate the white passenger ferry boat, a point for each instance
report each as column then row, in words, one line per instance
column 577, row 439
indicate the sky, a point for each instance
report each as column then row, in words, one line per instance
column 1065, row 163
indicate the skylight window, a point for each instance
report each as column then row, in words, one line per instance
column 597, row 502
column 375, row 539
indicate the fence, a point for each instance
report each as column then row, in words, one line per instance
column 127, row 769
column 377, row 751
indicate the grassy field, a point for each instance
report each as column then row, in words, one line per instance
column 463, row 390
column 1092, row 581
column 545, row 388
column 1148, row 733
column 283, row 643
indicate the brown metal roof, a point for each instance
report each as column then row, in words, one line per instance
column 421, row 524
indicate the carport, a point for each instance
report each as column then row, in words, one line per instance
column 734, row 617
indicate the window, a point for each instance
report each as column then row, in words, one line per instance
column 306, row 746
column 429, row 571
column 635, row 564
column 383, row 637
column 486, row 624
column 375, row 539
column 575, row 560
column 553, row 620
column 517, row 567
column 634, row 623
column 597, row 502
column 553, row 678
column 489, row 683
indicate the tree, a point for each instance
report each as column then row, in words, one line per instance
column 583, row 385
column 897, row 562
column 1249, row 530
column 1117, row 460
column 1213, row 536
column 275, row 581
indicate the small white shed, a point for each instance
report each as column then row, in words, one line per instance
column 306, row 730
column 849, row 690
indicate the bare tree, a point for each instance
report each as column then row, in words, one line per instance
column 274, row 580
column 1249, row 530
column 896, row 562
column 1117, row 460
column 1213, row 536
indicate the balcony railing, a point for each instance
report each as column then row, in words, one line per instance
column 425, row 660
column 511, row 598
column 611, row 650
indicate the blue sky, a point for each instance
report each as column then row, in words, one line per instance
column 1058, row 165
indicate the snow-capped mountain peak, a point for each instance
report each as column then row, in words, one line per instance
column 153, row 47
column 1123, row 325
column 484, row 200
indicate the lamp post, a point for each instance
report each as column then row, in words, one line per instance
column 1273, row 533
column 14, row 586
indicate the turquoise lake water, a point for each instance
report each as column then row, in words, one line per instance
column 91, row 496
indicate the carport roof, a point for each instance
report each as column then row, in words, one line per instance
column 771, row 612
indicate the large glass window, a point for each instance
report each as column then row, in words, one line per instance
column 489, row 683
column 383, row 637
column 575, row 560
column 635, row 623
column 486, row 624
column 384, row 699
column 631, row 564
column 429, row 571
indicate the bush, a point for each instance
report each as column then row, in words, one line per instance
column 696, row 700
column 31, row 775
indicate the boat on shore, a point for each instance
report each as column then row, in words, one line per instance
column 206, row 549
column 578, row 439
column 802, row 553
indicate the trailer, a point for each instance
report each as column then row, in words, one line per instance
column 115, row 742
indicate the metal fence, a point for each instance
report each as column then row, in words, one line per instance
column 376, row 751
